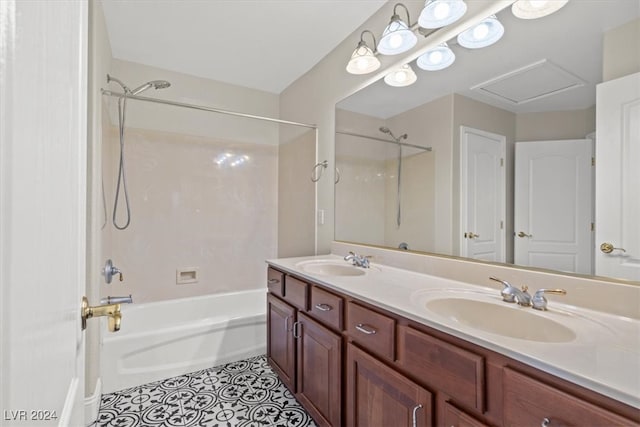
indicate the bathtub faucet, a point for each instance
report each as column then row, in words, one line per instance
column 110, row 310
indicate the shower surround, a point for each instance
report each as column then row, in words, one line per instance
column 201, row 204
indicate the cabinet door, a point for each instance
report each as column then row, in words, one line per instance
column 280, row 342
column 379, row 396
column 319, row 371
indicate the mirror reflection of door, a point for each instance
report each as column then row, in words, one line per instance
column 482, row 195
column 618, row 178
column 553, row 210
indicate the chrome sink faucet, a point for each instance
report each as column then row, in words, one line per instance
column 512, row 294
column 357, row 260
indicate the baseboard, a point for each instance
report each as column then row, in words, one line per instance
column 92, row 404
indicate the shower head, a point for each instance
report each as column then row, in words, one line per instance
column 386, row 130
column 156, row 84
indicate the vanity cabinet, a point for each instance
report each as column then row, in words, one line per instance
column 303, row 349
column 377, row 395
column 351, row 362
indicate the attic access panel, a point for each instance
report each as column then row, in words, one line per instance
column 529, row 83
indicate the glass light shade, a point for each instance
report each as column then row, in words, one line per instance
column 396, row 38
column 362, row 61
column 438, row 13
column 533, row 9
column 438, row 58
column 483, row 34
column 400, row 77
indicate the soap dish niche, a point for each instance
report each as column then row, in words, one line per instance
column 187, row 275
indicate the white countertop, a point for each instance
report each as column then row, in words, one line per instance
column 603, row 357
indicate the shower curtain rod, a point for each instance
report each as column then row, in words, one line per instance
column 404, row 144
column 203, row 108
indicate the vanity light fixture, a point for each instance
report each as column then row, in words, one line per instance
column 363, row 59
column 397, row 37
column 438, row 58
column 483, row 34
column 400, row 77
column 533, row 9
column 438, row 13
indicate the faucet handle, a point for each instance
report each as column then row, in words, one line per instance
column 508, row 292
column 539, row 302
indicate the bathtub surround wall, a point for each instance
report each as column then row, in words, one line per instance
column 296, row 191
column 196, row 202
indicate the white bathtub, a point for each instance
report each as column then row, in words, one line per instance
column 163, row 339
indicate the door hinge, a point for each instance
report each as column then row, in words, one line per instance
column 593, row 161
column 501, row 225
column 593, row 226
column 501, row 161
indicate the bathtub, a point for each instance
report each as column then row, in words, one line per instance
column 164, row 339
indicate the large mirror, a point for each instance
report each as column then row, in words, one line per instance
column 444, row 165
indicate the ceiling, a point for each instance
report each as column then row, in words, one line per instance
column 570, row 39
column 259, row 44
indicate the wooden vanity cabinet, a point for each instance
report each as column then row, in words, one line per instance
column 378, row 396
column 376, row 368
column 306, row 354
column 281, row 353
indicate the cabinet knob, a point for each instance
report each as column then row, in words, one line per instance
column 273, row 281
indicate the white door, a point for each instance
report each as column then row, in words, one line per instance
column 553, row 210
column 482, row 195
column 43, row 67
column 618, row 178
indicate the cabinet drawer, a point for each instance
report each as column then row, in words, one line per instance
column 373, row 331
column 443, row 366
column 275, row 282
column 326, row 307
column 529, row 402
column 296, row 292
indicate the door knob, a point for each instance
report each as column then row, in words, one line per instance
column 523, row 234
column 607, row 248
column 471, row 235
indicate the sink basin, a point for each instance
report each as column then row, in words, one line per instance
column 330, row 268
column 502, row 319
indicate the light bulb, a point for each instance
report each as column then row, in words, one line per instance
column 481, row 31
column 442, row 10
column 435, row 57
column 395, row 41
column 537, row 4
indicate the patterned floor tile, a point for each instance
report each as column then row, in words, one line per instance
column 246, row 393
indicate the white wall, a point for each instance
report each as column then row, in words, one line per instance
column 621, row 55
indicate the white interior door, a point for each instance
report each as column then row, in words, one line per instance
column 43, row 61
column 618, row 178
column 482, row 195
column 553, row 210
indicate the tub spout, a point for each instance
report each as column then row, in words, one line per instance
column 112, row 311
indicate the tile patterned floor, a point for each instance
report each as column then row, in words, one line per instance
column 245, row 393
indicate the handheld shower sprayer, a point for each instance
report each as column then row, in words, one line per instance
column 122, row 105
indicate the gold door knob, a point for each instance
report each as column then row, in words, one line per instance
column 607, row 248
column 523, row 234
column 471, row 235
column 111, row 311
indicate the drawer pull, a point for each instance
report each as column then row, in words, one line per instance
column 296, row 332
column 365, row 329
column 414, row 422
column 273, row 281
column 546, row 422
column 286, row 323
column 324, row 307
